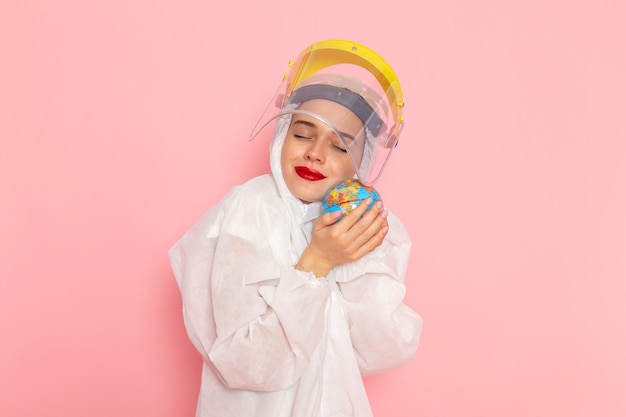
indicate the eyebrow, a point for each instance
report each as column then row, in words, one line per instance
column 313, row 125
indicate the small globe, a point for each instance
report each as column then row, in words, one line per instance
column 347, row 195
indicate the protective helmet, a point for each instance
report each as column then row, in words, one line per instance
column 356, row 77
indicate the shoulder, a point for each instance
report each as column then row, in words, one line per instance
column 397, row 232
column 253, row 205
column 239, row 201
column 254, row 191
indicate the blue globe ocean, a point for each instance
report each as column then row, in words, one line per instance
column 347, row 195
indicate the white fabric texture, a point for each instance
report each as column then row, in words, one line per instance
column 277, row 341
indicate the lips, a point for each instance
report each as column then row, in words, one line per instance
column 309, row 174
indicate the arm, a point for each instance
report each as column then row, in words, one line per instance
column 367, row 254
column 384, row 331
column 254, row 321
column 267, row 317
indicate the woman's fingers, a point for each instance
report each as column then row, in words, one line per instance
column 367, row 231
column 351, row 238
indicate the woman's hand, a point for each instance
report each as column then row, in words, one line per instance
column 347, row 240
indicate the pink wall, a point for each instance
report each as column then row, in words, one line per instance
column 122, row 121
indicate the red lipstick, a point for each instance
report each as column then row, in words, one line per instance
column 309, row 174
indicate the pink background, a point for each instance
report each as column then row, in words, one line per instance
column 122, row 121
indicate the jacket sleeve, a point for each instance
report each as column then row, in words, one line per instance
column 255, row 321
column 385, row 332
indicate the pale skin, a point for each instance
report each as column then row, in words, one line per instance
column 314, row 147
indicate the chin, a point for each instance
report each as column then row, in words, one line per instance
column 308, row 197
column 308, row 200
column 307, row 192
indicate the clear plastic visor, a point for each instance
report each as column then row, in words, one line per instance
column 350, row 94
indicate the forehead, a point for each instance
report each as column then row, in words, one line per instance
column 341, row 117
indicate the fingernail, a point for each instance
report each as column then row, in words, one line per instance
column 384, row 214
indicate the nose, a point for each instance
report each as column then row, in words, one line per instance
column 315, row 151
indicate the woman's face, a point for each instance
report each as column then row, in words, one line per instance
column 313, row 157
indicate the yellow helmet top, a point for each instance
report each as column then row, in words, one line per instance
column 332, row 52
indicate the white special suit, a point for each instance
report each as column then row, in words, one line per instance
column 278, row 342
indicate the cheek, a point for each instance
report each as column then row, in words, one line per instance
column 284, row 155
column 289, row 150
column 345, row 167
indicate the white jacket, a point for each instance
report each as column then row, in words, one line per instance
column 278, row 342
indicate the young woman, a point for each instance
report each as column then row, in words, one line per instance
column 288, row 306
